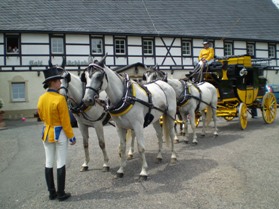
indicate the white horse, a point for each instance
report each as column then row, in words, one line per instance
column 190, row 99
column 133, row 106
column 86, row 116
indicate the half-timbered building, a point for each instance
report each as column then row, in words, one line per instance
column 133, row 33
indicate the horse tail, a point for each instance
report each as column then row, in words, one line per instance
column 166, row 130
column 128, row 135
column 208, row 115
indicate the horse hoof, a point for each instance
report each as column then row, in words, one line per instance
column 106, row 169
column 120, row 175
column 186, row 142
column 195, row 143
column 176, row 141
column 215, row 135
column 142, row 178
column 159, row 160
column 173, row 161
column 84, row 168
column 203, row 135
column 130, row 157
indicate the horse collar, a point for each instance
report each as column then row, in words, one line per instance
column 126, row 102
column 185, row 95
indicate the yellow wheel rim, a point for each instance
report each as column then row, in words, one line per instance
column 269, row 107
column 242, row 113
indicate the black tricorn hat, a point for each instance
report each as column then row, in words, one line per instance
column 52, row 74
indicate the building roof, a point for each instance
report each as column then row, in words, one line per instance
column 218, row 19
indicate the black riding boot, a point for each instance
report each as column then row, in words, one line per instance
column 61, row 175
column 50, row 183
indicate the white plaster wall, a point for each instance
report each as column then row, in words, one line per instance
column 77, row 49
column 133, row 60
column 149, row 61
column 240, row 51
column 34, row 38
column 132, row 40
column 35, row 49
column 240, row 44
column 261, row 45
column 77, row 39
column 135, row 50
column 35, row 60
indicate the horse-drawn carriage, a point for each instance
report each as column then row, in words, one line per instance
column 241, row 89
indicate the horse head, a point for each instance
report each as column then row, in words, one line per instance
column 154, row 74
column 96, row 80
column 65, row 83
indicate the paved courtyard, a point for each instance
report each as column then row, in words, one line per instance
column 237, row 169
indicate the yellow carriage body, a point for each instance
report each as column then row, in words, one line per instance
column 241, row 87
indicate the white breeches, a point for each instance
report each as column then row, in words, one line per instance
column 56, row 150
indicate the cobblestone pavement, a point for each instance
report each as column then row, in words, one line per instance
column 237, row 169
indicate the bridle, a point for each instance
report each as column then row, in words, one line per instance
column 91, row 69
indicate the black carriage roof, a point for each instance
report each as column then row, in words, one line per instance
column 217, row 19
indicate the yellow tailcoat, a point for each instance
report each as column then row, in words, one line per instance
column 53, row 111
column 207, row 54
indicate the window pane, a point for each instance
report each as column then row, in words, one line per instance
column 186, row 48
column 271, row 51
column 228, row 49
column 57, row 45
column 120, row 46
column 148, row 47
column 250, row 49
column 97, row 45
column 18, row 92
column 12, row 44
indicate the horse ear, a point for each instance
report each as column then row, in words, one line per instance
column 90, row 59
column 68, row 77
column 63, row 62
column 82, row 77
column 102, row 61
column 144, row 77
column 50, row 63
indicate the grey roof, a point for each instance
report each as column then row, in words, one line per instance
column 237, row 19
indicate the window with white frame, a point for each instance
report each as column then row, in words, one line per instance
column 271, row 51
column 148, row 47
column 57, row 45
column 228, row 49
column 18, row 91
column 97, row 45
column 120, row 46
column 12, row 44
column 251, row 49
column 186, row 47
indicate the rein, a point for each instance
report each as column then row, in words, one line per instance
column 128, row 99
column 80, row 108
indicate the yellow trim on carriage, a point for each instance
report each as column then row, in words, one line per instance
column 128, row 108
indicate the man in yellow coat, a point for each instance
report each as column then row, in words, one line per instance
column 206, row 57
column 57, row 131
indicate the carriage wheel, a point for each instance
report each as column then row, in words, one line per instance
column 269, row 107
column 228, row 118
column 243, row 116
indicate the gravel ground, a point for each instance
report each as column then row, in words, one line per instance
column 238, row 169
